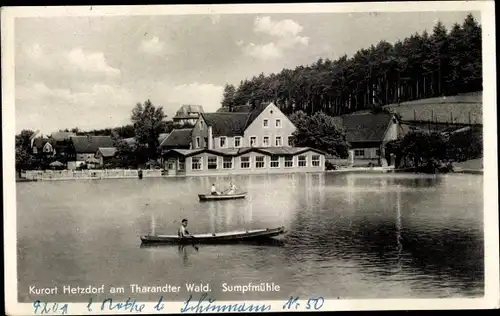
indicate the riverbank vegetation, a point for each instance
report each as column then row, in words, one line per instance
column 432, row 152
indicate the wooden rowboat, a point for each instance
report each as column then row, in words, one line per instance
column 210, row 197
column 216, row 238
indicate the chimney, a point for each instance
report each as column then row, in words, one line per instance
column 210, row 138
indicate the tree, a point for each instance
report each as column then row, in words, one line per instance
column 319, row 131
column 24, row 159
column 228, row 97
column 416, row 67
column 148, row 122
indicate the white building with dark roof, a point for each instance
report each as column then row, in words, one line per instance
column 187, row 114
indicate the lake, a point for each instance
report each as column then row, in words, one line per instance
column 349, row 236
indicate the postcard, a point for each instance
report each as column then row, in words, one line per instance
column 250, row 158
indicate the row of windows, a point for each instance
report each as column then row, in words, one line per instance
column 278, row 141
column 361, row 153
column 260, row 162
column 277, row 123
column 266, row 141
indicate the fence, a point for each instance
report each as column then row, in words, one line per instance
column 89, row 174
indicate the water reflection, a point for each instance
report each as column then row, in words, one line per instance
column 410, row 236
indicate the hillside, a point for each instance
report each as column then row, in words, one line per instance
column 443, row 109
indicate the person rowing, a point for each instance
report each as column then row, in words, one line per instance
column 183, row 233
column 214, row 190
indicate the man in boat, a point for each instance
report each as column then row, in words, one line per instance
column 183, row 233
column 214, row 190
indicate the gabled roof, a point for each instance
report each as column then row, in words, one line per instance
column 90, row 144
column 59, row 136
column 232, row 124
column 178, row 138
column 107, row 151
column 39, row 142
column 256, row 112
column 226, row 123
column 188, row 111
column 162, row 137
column 366, row 127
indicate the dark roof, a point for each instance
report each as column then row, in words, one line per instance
column 367, row 127
column 90, row 144
column 227, row 124
column 188, row 111
column 39, row 142
column 178, row 138
column 233, row 123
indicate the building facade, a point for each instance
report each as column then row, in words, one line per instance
column 265, row 126
column 247, row 160
column 368, row 133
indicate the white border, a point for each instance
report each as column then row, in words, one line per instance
column 487, row 8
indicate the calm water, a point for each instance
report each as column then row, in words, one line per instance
column 350, row 235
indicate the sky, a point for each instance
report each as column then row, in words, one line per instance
column 89, row 72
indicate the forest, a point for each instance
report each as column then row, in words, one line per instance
column 446, row 62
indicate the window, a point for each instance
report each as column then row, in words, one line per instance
column 237, row 141
column 245, row 162
column 206, row 142
column 315, row 160
column 212, row 162
column 253, row 141
column 182, row 163
column 259, row 162
column 278, row 123
column 265, row 141
column 359, row 153
column 288, row 161
column 377, row 152
column 227, row 163
column 302, row 161
column 196, row 163
column 275, row 162
column 278, row 141
column 201, row 125
column 198, row 142
column 290, row 141
column 222, row 141
column 265, row 123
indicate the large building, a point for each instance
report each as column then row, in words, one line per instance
column 253, row 141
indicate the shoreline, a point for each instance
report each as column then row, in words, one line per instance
column 366, row 170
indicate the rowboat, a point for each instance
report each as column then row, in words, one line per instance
column 210, row 197
column 217, row 238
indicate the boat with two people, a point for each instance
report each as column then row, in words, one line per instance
column 229, row 194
